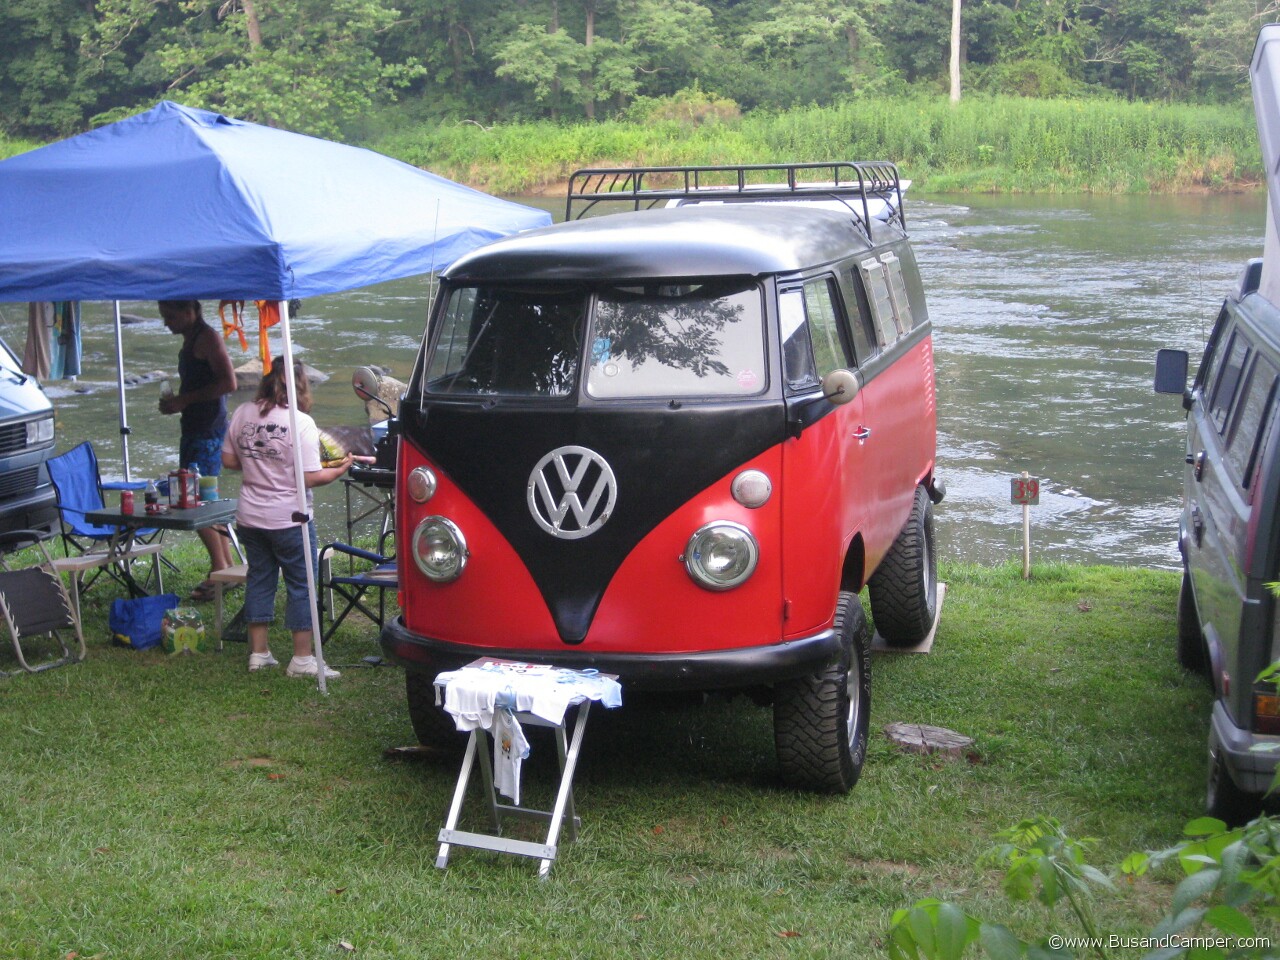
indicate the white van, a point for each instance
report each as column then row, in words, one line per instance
column 27, row 500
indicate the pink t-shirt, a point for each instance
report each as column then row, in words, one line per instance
column 268, row 495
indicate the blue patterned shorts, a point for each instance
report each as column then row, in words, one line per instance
column 204, row 452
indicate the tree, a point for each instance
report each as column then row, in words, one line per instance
column 655, row 49
column 51, row 79
column 1139, row 47
column 308, row 65
column 669, row 41
column 1222, row 38
column 793, row 22
column 549, row 62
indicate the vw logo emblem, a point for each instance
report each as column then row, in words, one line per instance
column 572, row 492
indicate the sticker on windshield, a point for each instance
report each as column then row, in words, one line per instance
column 748, row 380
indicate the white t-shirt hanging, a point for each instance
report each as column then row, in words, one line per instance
column 268, row 495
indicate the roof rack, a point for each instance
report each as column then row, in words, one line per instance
column 645, row 187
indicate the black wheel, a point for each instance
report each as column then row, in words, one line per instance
column 1191, row 652
column 433, row 726
column 1224, row 799
column 904, row 589
column 820, row 722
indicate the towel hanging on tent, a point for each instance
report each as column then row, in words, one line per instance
column 53, row 340
column 268, row 316
column 236, row 323
column 35, row 355
column 66, row 351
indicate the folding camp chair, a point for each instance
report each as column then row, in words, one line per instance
column 34, row 602
column 345, row 591
column 89, row 547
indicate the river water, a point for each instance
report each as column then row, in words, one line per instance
column 1047, row 313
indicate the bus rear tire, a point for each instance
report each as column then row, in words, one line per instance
column 904, row 588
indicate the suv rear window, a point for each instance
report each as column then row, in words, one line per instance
column 678, row 340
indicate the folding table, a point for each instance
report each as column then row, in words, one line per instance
column 562, row 812
column 210, row 513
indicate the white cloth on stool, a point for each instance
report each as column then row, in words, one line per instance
column 509, row 750
column 487, row 697
column 546, row 692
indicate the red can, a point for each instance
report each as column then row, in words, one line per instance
column 126, row 501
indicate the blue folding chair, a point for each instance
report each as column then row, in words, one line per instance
column 78, row 488
column 345, row 592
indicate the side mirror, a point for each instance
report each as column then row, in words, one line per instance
column 364, row 381
column 840, row 386
column 1171, row 371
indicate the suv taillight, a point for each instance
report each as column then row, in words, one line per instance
column 1266, row 711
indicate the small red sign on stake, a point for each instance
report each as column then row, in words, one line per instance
column 1024, row 491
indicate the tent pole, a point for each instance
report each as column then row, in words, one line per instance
column 300, row 488
column 124, row 412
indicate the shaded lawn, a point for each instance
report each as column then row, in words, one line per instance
column 160, row 807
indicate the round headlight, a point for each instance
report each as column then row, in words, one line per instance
column 752, row 488
column 421, row 484
column 439, row 549
column 721, row 555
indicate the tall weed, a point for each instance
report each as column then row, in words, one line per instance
column 1002, row 144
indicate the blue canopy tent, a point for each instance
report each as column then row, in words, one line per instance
column 179, row 203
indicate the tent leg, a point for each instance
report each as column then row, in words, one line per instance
column 124, row 411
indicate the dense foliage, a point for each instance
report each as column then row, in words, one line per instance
column 326, row 66
column 985, row 143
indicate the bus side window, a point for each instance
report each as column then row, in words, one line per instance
column 797, row 354
column 876, row 281
column 823, row 318
column 861, row 332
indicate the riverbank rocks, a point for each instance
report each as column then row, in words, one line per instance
column 249, row 375
column 152, row 376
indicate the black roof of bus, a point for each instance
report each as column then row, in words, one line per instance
column 705, row 240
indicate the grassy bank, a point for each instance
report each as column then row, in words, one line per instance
column 160, row 807
column 984, row 144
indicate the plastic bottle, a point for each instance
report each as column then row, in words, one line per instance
column 151, row 497
column 193, row 490
column 166, row 389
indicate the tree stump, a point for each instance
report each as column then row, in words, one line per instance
column 921, row 738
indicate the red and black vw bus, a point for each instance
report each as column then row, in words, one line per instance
column 674, row 444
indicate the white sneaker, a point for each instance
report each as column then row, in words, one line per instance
column 259, row 660
column 306, row 667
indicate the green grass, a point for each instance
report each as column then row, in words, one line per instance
column 161, row 807
column 985, row 144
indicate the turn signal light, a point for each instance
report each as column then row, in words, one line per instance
column 1266, row 712
column 421, row 484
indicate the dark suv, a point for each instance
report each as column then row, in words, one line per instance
column 1229, row 537
column 674, row 444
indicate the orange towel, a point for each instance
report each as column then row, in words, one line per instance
column 268, row 316
column 236, row 323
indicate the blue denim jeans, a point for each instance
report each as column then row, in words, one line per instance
column 270, row 552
